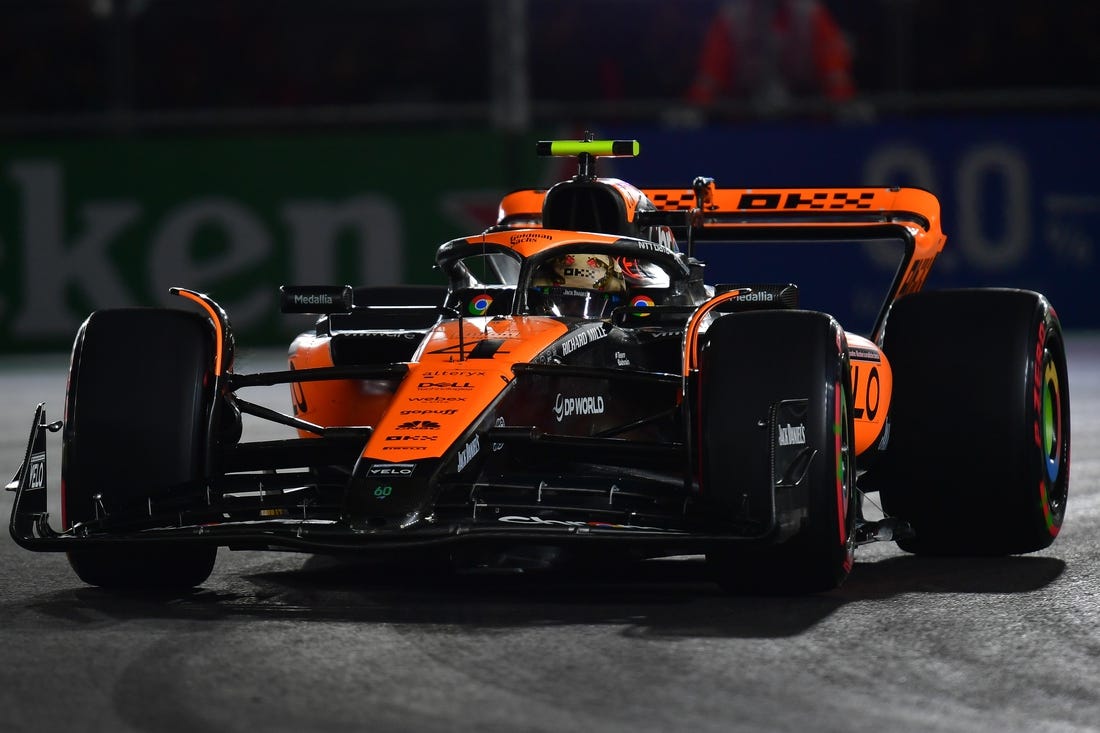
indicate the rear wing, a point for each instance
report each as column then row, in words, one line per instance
column 705, row 207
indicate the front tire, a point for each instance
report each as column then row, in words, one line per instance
column 752, row 364
column 136, row 420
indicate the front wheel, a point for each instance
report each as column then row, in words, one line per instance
column 776, row 441
column 174, row 567
column 136, row 420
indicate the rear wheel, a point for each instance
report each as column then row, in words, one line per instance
column 978, row 453
column 775, row 422
column 136, row 422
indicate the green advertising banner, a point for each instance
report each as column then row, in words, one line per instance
column 98, row 223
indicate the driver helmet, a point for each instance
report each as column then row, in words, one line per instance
column 579, row 285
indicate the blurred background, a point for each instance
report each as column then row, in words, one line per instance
column 235, row 145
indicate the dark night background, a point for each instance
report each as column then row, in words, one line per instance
column 144, row 142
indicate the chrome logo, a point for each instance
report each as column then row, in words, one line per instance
column 480, row 304
column 641, row 301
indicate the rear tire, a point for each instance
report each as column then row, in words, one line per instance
column 136, row 424
column 978, row 453
column 748, row 363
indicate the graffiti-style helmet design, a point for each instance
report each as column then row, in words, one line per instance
column 580, row 285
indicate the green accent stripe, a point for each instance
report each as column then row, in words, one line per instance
column 616, row 148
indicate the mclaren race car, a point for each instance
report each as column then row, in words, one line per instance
column 577, row 390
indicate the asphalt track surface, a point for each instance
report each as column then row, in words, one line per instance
column 284, row 642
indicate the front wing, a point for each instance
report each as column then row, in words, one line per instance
column 199, row 516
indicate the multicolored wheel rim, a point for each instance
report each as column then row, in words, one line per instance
column 1052, row 439
column 1051, row 423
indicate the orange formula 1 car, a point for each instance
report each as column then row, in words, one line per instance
column 578, row 388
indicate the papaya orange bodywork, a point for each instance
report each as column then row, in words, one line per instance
column 443, row 392
column 872, row 383
column 330, row 403
column 446, row 389
column 527, row 242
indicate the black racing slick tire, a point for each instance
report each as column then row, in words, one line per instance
column 136, row 417
column 776, row 449
column 977, row 456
